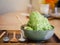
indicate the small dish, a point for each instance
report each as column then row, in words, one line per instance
column 54, row 15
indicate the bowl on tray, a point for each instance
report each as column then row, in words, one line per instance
column 38, row 35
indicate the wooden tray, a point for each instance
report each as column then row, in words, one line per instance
column 53, row 39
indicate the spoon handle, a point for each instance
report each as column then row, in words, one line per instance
column 2, row 34
column 14, row 35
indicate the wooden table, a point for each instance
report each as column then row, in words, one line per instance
column 55, row 23
column 10, row 22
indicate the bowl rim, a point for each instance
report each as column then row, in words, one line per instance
column 22, row 27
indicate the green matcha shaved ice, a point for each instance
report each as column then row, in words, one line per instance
column 38, row 22
column 28, row 28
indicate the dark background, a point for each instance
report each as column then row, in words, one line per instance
column 58, row 4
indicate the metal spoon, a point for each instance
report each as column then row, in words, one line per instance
column 6, row 38
column 22, row 39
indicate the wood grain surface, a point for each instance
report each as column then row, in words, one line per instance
column 29, row 43
column 10, row 22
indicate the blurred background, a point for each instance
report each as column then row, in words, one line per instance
column 58, row 4
column 10, row 8
column 16, row 5
column 13, row 5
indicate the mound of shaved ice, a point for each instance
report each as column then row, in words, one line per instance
column 38, row 22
